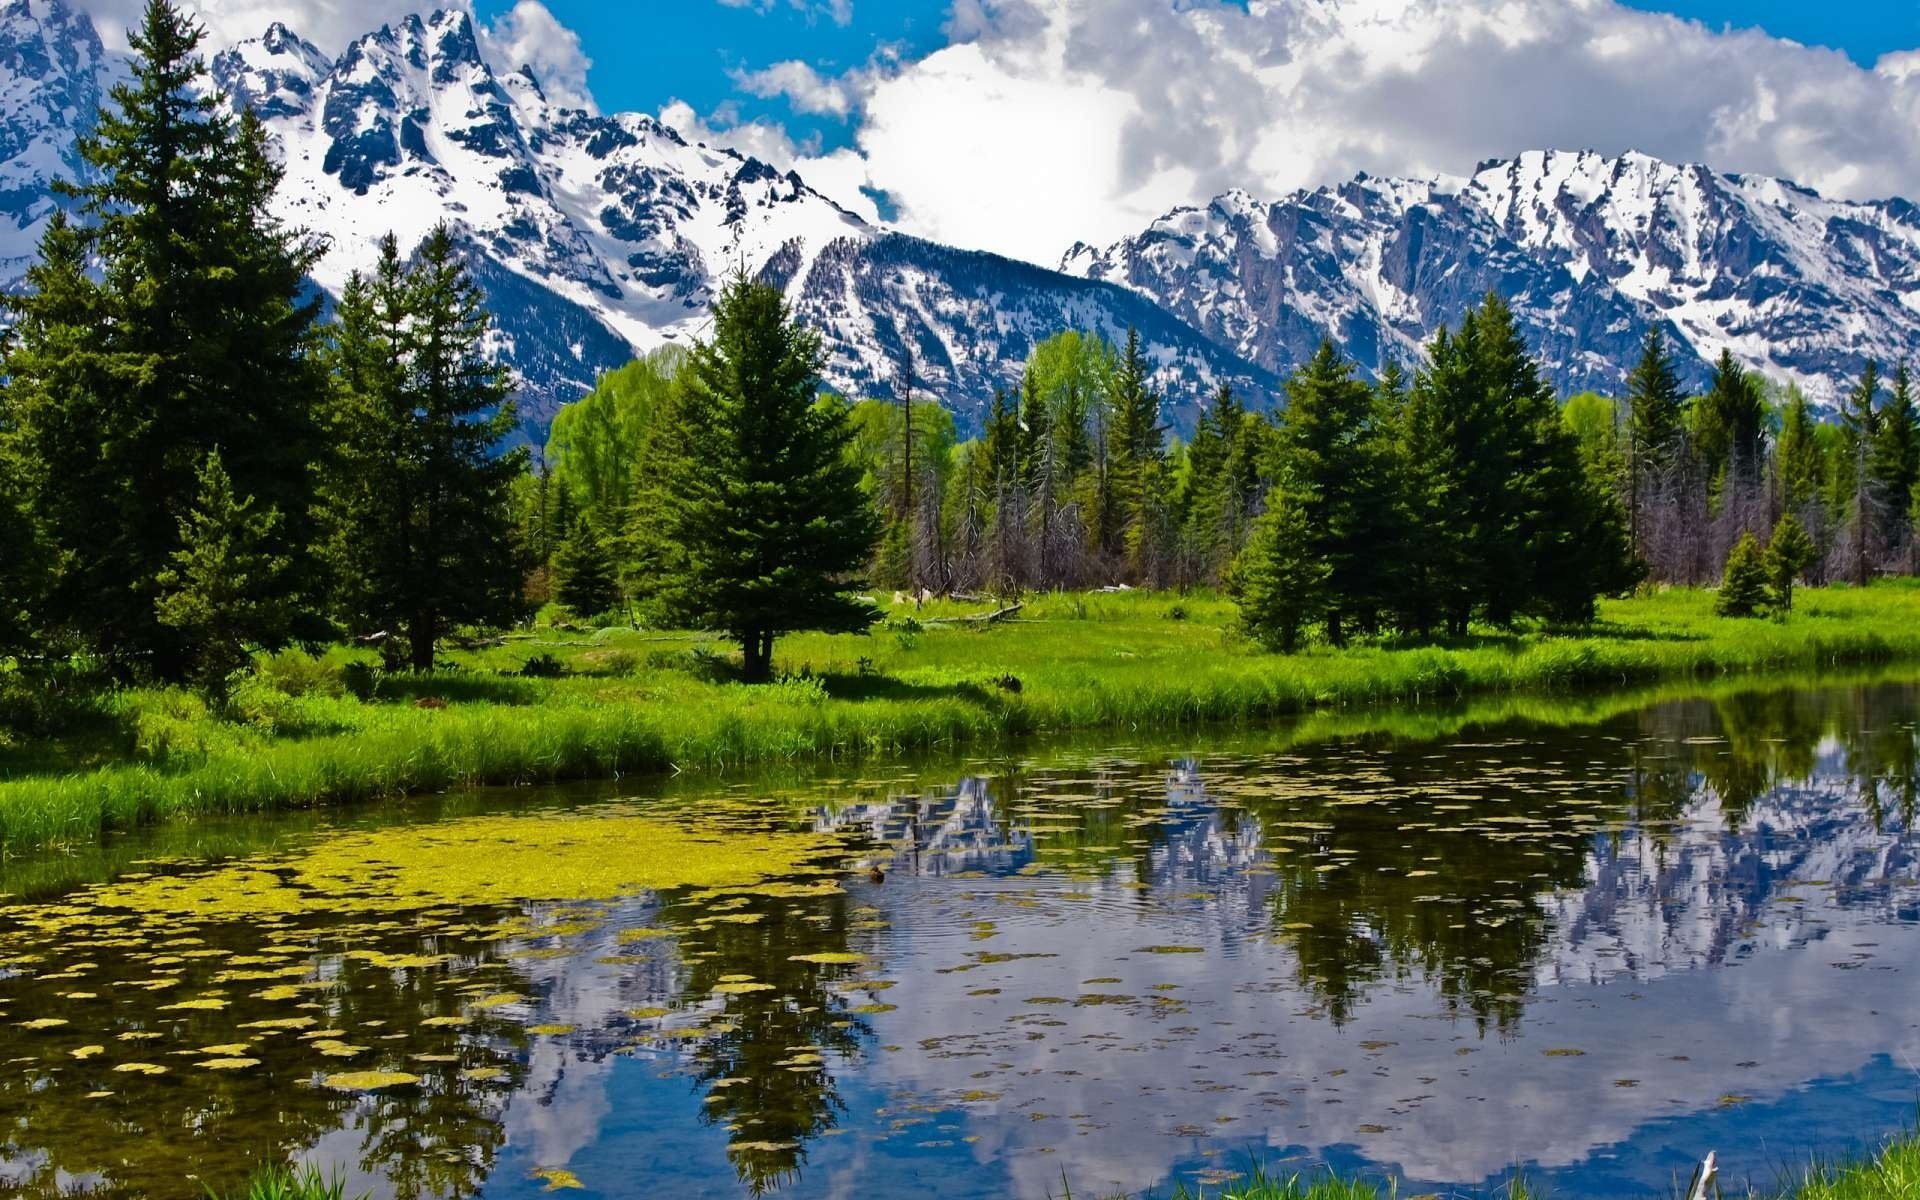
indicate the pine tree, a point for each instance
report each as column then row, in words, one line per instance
column 1802, row 462
column 198, row 333
column 1893, row 462
column 224, row 591
column 1279, row 584
column 1744, row 589
column 586, row 583
column 1653, row 425
column 417, row 498
column 1789, row 553
column 1859, row 498
column 26, row 560
column 764, row 522
column 1732, row 423
column 1329, row 459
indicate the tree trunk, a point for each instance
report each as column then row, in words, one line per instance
column 756, row 655
column 420, row 638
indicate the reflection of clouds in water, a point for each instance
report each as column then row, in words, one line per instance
column 1693, row 962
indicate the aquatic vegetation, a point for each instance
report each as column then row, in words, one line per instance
column 284, row 1183
column 370, row 1081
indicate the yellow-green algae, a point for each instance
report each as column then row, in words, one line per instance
column 610, row 852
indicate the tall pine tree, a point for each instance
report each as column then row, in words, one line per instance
column 417, row 495
column 763, row 523
column 1654, row 416
column 1329, row 459
column 196, row 331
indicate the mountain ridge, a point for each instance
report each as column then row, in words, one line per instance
column 602, row 235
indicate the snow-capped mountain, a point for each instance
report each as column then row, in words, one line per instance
column 1590, row 250
column 594, row 236
column 52, row 71
column 597, row 236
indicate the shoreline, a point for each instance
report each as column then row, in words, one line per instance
column 1084, row 664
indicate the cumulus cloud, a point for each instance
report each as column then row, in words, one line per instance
column 1047, row 121
column 527, row 35
column 806, row 89
column 531, row 36
column 840, row 12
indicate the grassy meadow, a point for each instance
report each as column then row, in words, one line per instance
column 551, row 704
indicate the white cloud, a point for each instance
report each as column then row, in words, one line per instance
column 531, row 36
column 840, row 12
column 805, row 88
column 1047, row 121
column 527, row 35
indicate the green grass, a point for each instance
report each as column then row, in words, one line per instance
column 633, row 702
column 1893, row 1174
column 285, row 1183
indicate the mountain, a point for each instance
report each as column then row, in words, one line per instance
column 1591, row 251
column 599, row 236
column 52, row 75
column 595, row 236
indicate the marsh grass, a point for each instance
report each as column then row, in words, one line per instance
column 632, row 702
column 1893, row 1174
column 285, row 1183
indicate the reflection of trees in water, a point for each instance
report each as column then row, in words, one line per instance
column 766, row 1061
column 156, row 1135
column 1367, row 921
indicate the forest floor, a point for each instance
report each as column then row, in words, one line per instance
column 619, row 701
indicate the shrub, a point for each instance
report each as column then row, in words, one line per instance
column 1745, row 590
column 361, row 679
column 542, row 666
column 297, row 673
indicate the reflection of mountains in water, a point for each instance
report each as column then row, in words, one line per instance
column 1711, row 881
column 967, row 827
column 1715, row 883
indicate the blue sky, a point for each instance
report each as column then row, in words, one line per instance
column 649, row 52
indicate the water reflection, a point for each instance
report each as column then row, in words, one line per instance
column 1582, row 947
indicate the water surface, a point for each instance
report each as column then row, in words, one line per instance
column 1595, row 949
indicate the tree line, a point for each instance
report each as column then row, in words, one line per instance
column 195, row 459
column 1698, row 475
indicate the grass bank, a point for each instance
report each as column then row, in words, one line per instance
column 627, row 702
column 1891, row 1174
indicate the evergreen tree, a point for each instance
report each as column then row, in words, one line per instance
column 764, row 522
column 1141, row 515
column 1654, row 416
column 417, row 496
column 1744, row 590
column 1853, row 476
column 1732, row 423
column 198, row 333
column 1789, row 553
column 1329, row 461
column 1802, row 461
column 1278, row 580
column 224, row 591
column 26, row 560
column 1893, row 462
column 586, row 581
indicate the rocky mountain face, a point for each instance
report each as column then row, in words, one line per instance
column 599, row 236
column 596, row 236
column 1590, row 250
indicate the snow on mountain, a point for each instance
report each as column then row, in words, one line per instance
column 597, row 236
column 1590, row 250
column 52, row 71
column 594, row 236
